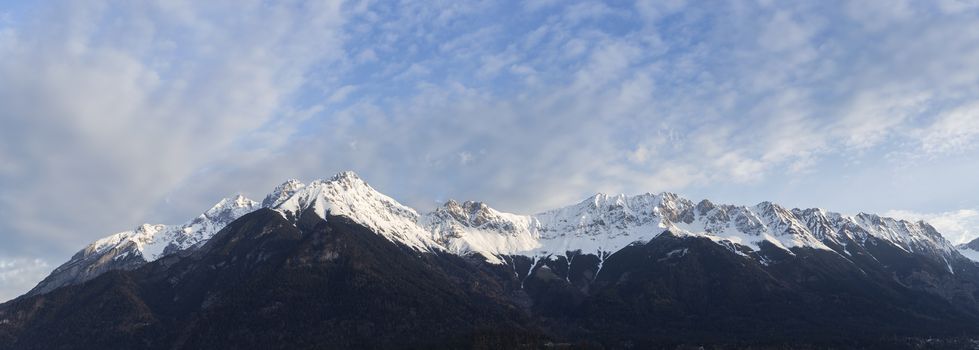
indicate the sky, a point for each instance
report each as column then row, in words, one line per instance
column 116, row 113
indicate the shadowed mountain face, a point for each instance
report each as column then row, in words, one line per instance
column 682, row 289
column 267, row 282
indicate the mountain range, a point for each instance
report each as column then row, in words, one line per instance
column 336, row 264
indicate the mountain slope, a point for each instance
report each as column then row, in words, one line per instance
column 336, row 262
column 599, row 225
column 604, row 224
column 264, row 282
column 131, row 249
column 268, row 282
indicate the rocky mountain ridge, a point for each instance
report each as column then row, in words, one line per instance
column 336, row 262
column 599, row 225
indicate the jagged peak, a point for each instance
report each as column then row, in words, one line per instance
column 230, row 203
column 345, row 181
column 475, row 206
column 472, row 213
column 810, row 212
column 346, row 176
column 282, row 192
column 705, row 206
column 343, row 192
column 346, row 194
column 291, row 184
column 870, row 217
column 450, row 207
column 884, row 221
column 670, row 200
column 770, row 208
column 601, row 199
column 149, row 227
column 767, row 205
column 668, row 196
column 597, row 199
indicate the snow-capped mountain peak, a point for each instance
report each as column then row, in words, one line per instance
column 910, row 236
column 154, row 241
column 346, row 194
column 348, row 176
column 282, row 192
column 477, row 215
column 232, row 206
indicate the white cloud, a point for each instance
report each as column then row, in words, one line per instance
column 873, row 117
column 955, row 131
column 18, row 275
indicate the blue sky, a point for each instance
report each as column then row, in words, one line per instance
column 115, row 113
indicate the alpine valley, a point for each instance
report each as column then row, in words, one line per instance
column 337, row 264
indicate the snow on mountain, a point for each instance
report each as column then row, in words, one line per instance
column 282, row 192
column 913, row 237
column 148, row 242
column 969, row 250
column 600, row 225
column 604, row 224
column 154, row 241
column 473, row 227
column 970, row 253
column 346, row 194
